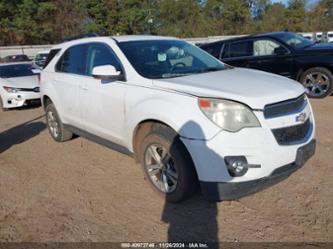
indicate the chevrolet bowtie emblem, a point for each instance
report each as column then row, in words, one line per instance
column 301, row 117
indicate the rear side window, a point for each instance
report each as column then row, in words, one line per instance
column 238, row 49
column 73, row 60
column 100, row 54
column 214, row 49
column 50, row 56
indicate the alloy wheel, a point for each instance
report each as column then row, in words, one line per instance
column 317, row 83
column 53, row 124
column 160, row 168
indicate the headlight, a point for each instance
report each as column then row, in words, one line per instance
column 228, row 115
column 11, row 89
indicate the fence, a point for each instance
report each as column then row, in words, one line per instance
column 32, row 50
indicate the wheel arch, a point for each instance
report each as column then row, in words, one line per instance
column 142, row 129
column 45, row 98
column 307, row 67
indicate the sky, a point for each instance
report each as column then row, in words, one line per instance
column 285, row 2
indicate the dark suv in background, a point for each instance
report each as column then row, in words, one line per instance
column 284, row 53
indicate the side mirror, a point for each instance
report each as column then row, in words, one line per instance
column 106, row 72
column 36, row 71
column 280, row 51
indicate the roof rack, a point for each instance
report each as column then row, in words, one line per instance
column 71, row 38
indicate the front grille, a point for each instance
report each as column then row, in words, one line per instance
column 36, row 89
column 292, row 134
column 285, row 107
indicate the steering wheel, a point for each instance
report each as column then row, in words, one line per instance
column 178, row 64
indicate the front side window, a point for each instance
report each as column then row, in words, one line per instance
column 17, row 70
column 157, row 59
column 264, row 47
column 99, row 55
column 73, row 60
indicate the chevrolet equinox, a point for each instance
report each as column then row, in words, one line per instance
column 190, row 120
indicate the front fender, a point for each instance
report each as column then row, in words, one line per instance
column 178, row 111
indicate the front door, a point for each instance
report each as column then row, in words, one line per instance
column 270, row 56
column 102, row 102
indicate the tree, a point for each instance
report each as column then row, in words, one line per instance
column 229, row 16
column 296, row 15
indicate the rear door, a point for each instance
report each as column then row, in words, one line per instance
column 239, row 53
column 102, row 101
column 259, row 53
column 70, row 72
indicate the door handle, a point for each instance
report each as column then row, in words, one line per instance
column 84, row 88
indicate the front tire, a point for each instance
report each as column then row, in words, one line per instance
column 1, row 106
column 167, row 164
column 318, row 81
column 54, row 124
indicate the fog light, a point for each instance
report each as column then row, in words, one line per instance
column 237, row 165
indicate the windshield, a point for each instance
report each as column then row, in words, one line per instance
column 17, row 70
column 157, row 59
column 295, row 40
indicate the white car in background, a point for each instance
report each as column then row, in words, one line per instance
column 19, row 85
column 184, row 115
column 40, row 58
column 330, row 36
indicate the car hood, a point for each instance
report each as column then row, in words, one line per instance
column 22, row 82
column 252, row 87
column 320, row 47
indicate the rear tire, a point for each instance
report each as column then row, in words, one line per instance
column 167, row 164
column 54, row 124
column 318, row 81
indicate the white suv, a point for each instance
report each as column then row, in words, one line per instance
column 184, row 115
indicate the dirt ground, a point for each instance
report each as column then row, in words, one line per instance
column 81, row 191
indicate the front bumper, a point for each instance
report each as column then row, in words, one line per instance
column 217, row 191
column 13, row 100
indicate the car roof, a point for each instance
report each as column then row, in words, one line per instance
column 16, row 63
column 268, row 34
column 12, row 55
column 116, row 39
column 127, row 38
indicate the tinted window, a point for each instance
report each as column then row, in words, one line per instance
column 17, row 70
column 16, row 58
column 41, row 56
column 73, row 60
column 238, row 49
column 99, row 55
column 50, row 56
column 168, row 58
column 214, row 50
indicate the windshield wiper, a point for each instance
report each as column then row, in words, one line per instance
column 211, row 69
column 173, row 75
